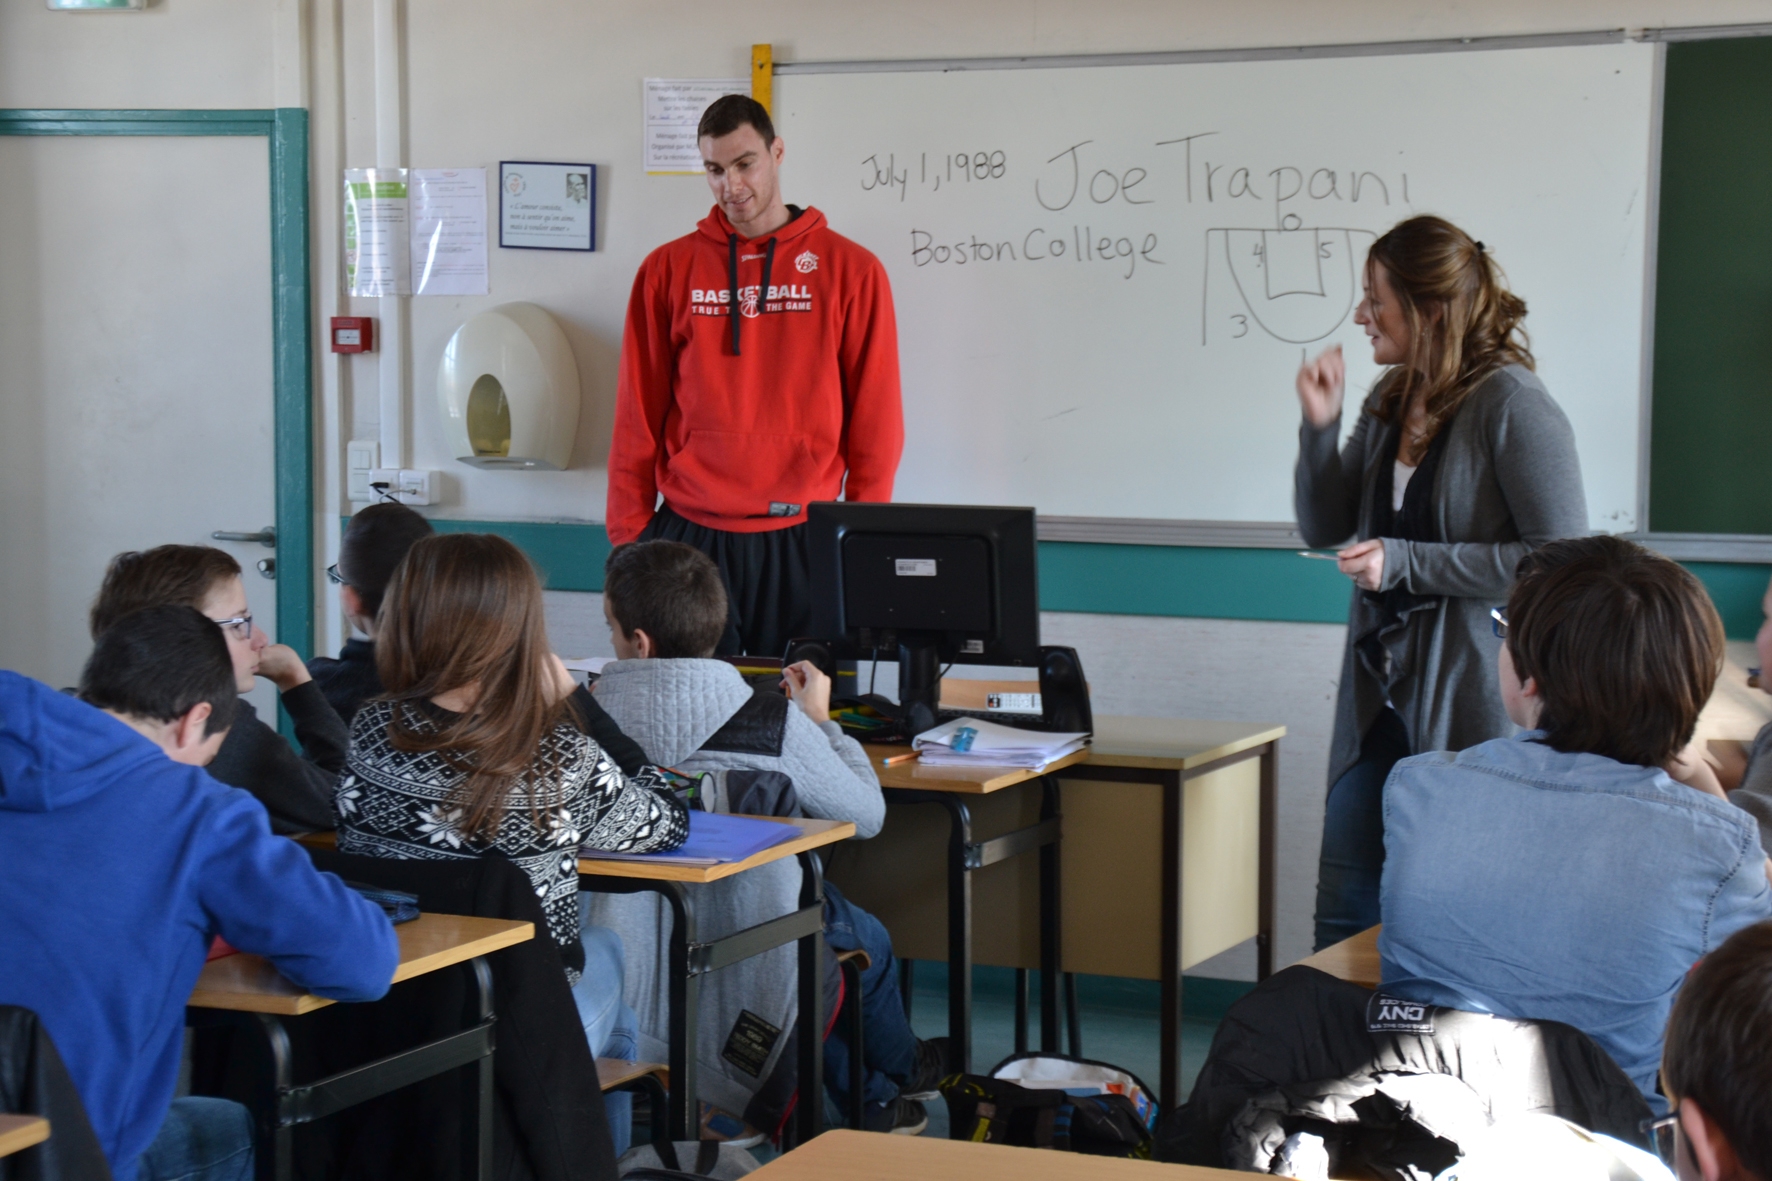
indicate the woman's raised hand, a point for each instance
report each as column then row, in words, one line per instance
column 1320, row 383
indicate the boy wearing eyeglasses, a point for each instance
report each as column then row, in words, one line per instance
column 1576, row 871
column 296, row 789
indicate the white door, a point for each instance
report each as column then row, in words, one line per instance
column 135, row 372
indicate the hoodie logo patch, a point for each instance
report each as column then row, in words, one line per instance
column 717, row 301
column 806, row 262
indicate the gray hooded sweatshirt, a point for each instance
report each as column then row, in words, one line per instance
column 671, row 707
column 1508, row 481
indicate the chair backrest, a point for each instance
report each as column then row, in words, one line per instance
column 1305, row 1042
column 34, row 1081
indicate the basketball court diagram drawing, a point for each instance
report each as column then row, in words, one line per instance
column 1297, row 285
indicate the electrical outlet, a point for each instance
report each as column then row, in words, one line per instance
column 361, row 457
column 405, row 486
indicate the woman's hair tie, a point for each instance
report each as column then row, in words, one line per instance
column 1481, row 248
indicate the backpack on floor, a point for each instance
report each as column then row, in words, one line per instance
column 1053, row 1101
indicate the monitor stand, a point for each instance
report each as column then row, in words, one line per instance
column 919, row 684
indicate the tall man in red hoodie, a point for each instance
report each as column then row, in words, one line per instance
column 759, row 373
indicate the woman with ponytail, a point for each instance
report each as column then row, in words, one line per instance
column 1459, row 465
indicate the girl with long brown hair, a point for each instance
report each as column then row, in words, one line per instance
column 482, row 744
column 1459, row 464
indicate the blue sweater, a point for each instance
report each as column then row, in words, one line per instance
column 117, row 867
column 1525, row 882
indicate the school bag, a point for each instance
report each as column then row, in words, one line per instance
column 1053, row 1101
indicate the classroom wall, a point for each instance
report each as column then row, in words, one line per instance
column 559, row 79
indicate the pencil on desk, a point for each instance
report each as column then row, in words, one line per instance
column 895, row 760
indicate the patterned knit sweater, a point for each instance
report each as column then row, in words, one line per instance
column 399, row 804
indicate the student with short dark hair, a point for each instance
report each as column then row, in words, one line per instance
column 759, row 373
column 374, row 542
column 481, row 745
column 666, row 607
column 1576, row 871
column 295, row 789
column 120, row 861
column 1717, row 1065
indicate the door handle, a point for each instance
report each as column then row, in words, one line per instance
column 268, row 567
column 266, row 537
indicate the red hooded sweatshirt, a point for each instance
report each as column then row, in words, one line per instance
column 742, row 420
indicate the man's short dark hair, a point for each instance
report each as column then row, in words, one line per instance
column 729, row 112
column 167, row 574
column 1625, row 646
column 1719, row 1043
column 671, row 591
column 375, row 541
column 159, row 663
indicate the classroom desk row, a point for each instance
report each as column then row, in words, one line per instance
column 1198, row 814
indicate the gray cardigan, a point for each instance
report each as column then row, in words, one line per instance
column 1508, row 481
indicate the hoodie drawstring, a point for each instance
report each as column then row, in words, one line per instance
column 732, row 286
column 732, row 283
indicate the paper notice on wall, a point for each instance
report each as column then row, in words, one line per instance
column 377, row 250
column 448, row 231
column 673, row 107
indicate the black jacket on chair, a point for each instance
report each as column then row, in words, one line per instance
column 33, row 1081
column 548, row 1118
column 1387, row 1084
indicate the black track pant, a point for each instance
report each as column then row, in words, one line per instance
column 768, row 581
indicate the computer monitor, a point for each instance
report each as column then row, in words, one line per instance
column 932, row 584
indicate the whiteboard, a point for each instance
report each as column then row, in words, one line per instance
column 1105, row 278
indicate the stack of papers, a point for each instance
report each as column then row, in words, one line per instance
column 976, row 742
column 715, row 838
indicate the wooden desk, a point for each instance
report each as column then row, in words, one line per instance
column 1354, row 959
column 246, row 990
column 814, row 834
column 1194, row 858
column 250, row 984
column 691, row 958
column 19, row 1132
column 844, row 1155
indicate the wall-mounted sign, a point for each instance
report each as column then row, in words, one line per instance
column 377, row 230
column 545, row 206
column 673, row 110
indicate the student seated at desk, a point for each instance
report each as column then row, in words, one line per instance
column 1717, row 1067
column 666, row 605
column 1565, row 874
column 481, row 745
column 120, row 861
column 295, row 789
column 375, row 541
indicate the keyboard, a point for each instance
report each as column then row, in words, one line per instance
column 1002, row 717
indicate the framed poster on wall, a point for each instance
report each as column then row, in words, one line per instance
column 547, row 206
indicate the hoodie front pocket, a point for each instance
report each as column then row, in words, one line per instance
column 741, row 474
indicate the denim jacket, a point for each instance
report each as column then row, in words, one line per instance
column 1529, row 883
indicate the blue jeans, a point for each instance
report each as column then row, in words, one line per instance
column 202, row 1139
column 1351, row 864
column 890, row 1048
column 612, row 1028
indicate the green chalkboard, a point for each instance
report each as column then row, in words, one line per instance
column 1710, row 450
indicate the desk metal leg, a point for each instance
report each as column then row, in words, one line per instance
column 685, row 1010
column 1269, row 854
column 1051, row 917
column 809, row 1116
column 959, row 933
column 275, row 1158
column 478, row 1085
column 1169, row 1022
